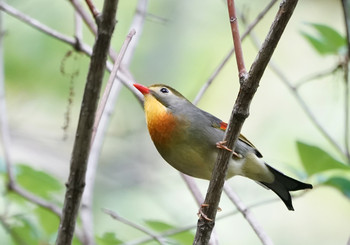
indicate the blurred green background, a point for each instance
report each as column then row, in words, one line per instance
column 181, row 45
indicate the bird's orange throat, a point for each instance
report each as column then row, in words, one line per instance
column 160, row 122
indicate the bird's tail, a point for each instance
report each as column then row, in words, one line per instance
column 283, row 184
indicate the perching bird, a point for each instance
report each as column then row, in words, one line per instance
column 187, row 138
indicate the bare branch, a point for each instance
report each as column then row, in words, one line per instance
column 154, row 236
column 76, row 181
column 78, row 27
column 85, row 16
column 245, row 211
column 92, row 8
column 110, row 82
column 249, row 85
column 236, row 39
column 33, row 198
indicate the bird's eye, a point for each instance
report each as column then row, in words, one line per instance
column 164, row 90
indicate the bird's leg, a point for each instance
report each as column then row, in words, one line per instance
column 221, row 145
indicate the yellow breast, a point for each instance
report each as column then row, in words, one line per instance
column 161, row 123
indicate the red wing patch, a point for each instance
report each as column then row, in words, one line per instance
column 223, row 126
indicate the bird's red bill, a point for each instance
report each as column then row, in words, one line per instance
column 141, row 88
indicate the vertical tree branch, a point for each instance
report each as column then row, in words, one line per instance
column 76, row 181
column 249, row 85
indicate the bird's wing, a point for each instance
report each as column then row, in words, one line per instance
column 222, row 126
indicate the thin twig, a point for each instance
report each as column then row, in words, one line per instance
column 312, row 77
column 219, row 68
column 110, row 82
column 245, row 211
column 92, row 8
column 236, row 39
column 154, row 236
column 13, row 186
column 85, row 16
column 78, row 27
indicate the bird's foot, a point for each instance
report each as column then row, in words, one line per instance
column 201, row 214
column 221, row 145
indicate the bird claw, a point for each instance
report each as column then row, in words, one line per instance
column 221, row 145
column 201, row 214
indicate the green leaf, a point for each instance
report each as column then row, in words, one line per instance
column 49, row 221
column 38, row 182
column 328, row 40
column 25, row 231
column 340, row 183
column 108, row 238
column 316, row 160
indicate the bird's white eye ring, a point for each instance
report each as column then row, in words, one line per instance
column 164, row 90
